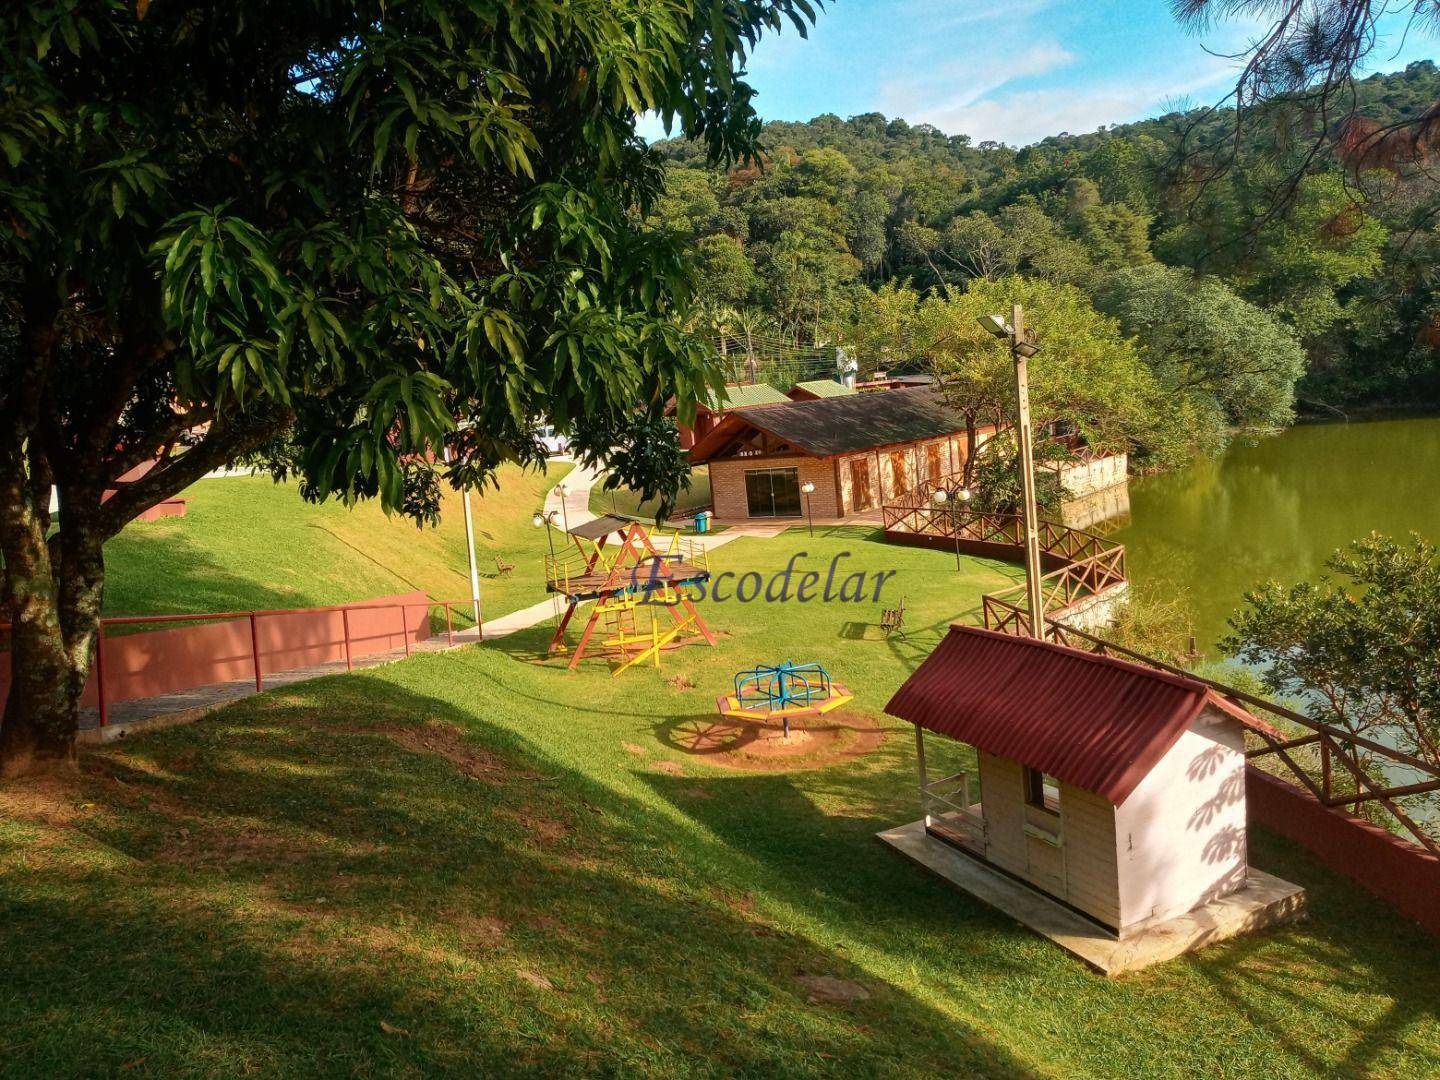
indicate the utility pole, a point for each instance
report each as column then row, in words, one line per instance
column 470, row 551
column 1021, row 350
column 469, row 546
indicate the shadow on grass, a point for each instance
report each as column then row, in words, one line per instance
column 341, row 877
column 1350, row 958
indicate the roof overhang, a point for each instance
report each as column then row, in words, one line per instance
column 1097, row 722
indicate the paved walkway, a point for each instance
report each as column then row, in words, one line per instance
column 574, row 507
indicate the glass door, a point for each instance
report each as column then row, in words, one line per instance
column 772, row 492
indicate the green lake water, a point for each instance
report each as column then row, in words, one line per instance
column 1276, row 508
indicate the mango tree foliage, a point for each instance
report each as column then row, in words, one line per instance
column 382, row 230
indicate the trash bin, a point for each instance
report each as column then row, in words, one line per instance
column 702, row 521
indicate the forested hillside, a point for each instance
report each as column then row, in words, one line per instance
column 1233, row 273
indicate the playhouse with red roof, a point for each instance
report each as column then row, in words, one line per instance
column 1115, row 789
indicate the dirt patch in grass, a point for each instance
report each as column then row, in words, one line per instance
column 812, row 743
column 446, row 741
column 215, row 844
column 538, row 826
column 828, row 990
column 67, row 799
column 48, row 800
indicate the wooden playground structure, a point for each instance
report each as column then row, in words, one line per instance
column 640, row 572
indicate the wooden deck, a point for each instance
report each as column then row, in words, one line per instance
column 650, row 573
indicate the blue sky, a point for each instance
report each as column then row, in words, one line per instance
column 1010, row 70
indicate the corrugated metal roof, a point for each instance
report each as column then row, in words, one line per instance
column 740, row 397
column 1093, row 721
column 824, row 388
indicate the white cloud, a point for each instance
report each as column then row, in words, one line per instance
column 958, row 84
column 1026, row 116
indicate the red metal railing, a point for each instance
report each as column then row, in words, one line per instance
column 255, row 616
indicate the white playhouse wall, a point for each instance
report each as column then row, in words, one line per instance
column 1181, row 833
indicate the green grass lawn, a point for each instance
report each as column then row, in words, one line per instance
column 246, row 542
column 480, row 862
column 627, row 502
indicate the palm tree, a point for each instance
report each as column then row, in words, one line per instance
column 751, row 321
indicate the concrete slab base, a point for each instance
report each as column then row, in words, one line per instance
column 1264, row 901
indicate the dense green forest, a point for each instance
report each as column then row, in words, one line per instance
column 1249, row 274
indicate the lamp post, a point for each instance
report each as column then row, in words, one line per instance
column 807, row 489
column 563, row 491
column 1022, row 347
column 547, row 519
column 941, row 497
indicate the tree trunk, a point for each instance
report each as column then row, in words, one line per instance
column 37, row 731
column 971, row 438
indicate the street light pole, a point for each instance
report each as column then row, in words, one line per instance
column 807, row 489
column 469, row 546
column 547, row 519
column 563, row 491
column 941, row 497
column 963, row 495
column 1021, row 351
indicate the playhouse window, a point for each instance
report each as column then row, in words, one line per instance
column 1042, row 791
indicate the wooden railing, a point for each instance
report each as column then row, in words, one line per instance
column 1089, row 564
column 1338, row 767
column 1059, row 589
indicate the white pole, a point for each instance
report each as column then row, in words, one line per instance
column 1031, row 521
column 469, row 550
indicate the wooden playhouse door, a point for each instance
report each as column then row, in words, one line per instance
column 860, row 497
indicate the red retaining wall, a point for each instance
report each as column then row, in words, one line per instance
column 1399, row 872
column 198, row 654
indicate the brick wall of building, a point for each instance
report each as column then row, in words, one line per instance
column 727, row 485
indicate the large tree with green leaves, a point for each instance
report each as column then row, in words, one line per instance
column 376, row 230
column 1237, row 361
column 1087, row 374
column 1358, row 649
